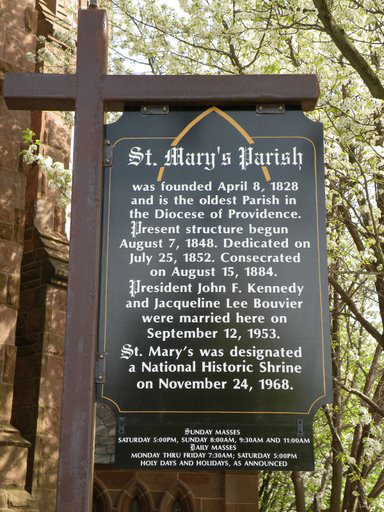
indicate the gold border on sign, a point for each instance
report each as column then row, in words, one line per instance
column 266, row 175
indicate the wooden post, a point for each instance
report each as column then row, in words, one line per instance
column 77, row 424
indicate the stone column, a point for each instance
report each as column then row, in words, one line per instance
column 17, row 38
column 40, row 344
column 42, row 317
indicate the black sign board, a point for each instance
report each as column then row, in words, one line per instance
column 214, row 321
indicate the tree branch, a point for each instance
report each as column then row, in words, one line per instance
column 365, row 398
column 378, row 487
column 348, row 50
column 359, row 317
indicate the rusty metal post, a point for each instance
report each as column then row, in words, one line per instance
column 77, row 424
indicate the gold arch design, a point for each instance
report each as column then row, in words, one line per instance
column 204, row 114
column 199, row 118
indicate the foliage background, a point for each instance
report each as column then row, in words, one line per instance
column 342, row 42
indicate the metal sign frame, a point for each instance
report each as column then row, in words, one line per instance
column 90, row 92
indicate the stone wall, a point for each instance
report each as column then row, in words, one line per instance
column 17, row 38
column 42, row 315
column 38, row 259
column 161, row 491
column 105, row 435
column 39, row 368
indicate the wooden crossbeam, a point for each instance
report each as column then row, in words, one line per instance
column 205, row 90
column 58, row 92
column 38, row 91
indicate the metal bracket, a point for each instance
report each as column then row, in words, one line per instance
column 270, row 109
column 101, row 364
column 121, row 426
column 108, row 153
column 154, row 110
column 300, row 427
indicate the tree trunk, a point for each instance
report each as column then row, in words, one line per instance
column 298, row 484
column 337, row 464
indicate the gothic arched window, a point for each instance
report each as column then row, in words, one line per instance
column 135, row 506
column 177, row 506
column 98, row 502
column 178, row 498
column 101, row 500
column 135, row 497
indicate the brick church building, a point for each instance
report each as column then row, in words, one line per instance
column 33, row 277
